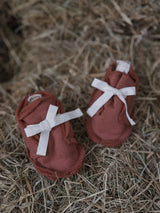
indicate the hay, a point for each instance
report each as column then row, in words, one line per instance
column 62, row 47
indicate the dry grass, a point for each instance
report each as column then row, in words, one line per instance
column 63, row 46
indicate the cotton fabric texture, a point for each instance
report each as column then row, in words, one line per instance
column 65, row 155
column 110, row 126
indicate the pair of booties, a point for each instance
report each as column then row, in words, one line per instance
column 48, row 135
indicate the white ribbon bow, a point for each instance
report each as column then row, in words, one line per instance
column 45, row 126
column 108, row 93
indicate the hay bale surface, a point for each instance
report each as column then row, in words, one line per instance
column 63, row 45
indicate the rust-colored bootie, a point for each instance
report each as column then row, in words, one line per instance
column 111, row 108
column 49, row 139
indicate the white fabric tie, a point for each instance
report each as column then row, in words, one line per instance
column 45, row 126
column 34, row 97
column 108, row 93
column 123, row 66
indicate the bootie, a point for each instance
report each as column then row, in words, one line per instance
column 111, row 108
column 49, row 139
